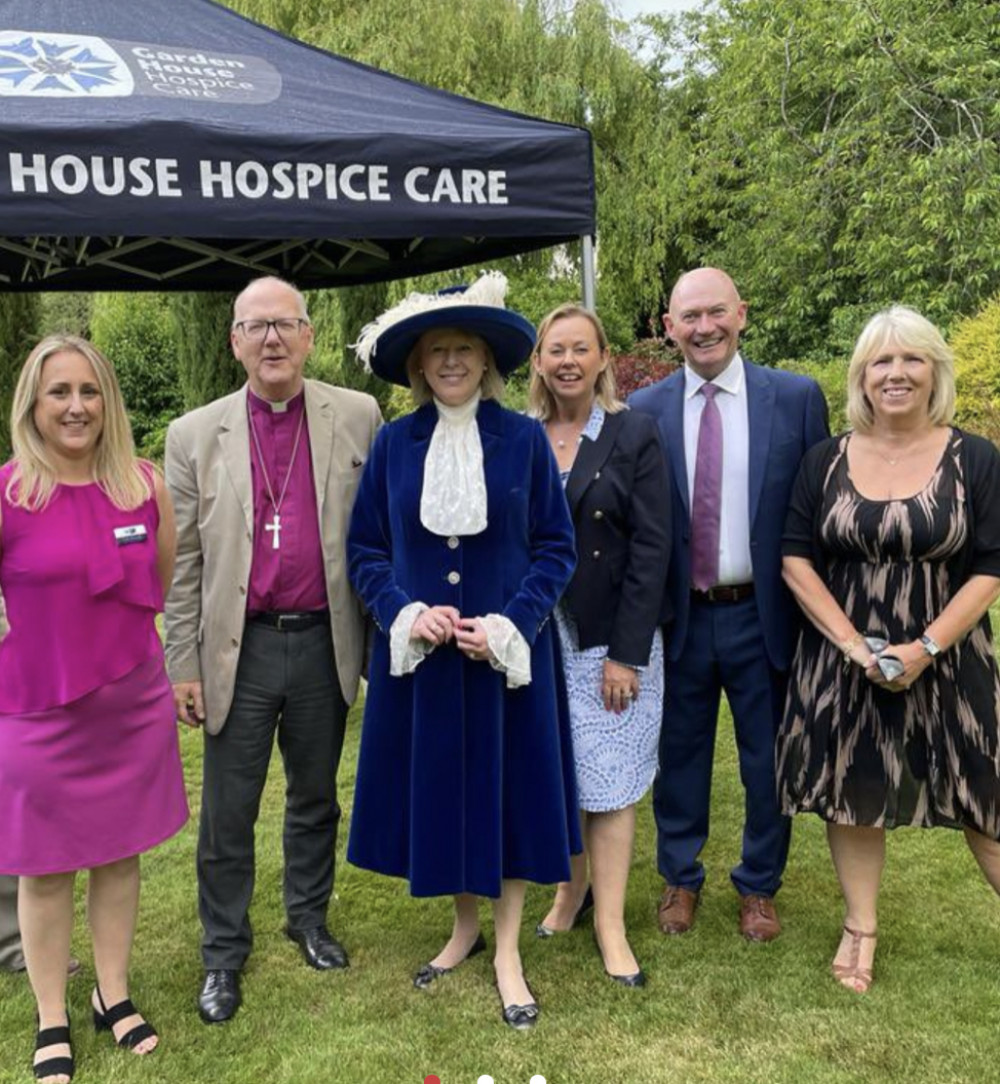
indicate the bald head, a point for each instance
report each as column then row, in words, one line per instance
column 269, row 286
column 705, row 318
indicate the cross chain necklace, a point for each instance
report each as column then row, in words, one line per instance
column 275, row 525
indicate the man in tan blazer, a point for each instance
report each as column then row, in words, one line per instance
column 263, row 631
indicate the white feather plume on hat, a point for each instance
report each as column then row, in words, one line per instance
column 490, row 289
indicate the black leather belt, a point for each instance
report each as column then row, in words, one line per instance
column 729, row 592
column 292, row 622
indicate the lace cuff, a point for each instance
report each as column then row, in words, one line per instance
column 405, row 655
column 510, row 651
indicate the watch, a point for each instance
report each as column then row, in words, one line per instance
column 931, row 646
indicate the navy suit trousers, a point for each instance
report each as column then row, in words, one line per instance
column 723, row 652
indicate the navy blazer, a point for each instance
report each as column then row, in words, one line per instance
column 787, row 415
column 619, row 498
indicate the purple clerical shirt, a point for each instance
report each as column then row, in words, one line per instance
column 289, row 579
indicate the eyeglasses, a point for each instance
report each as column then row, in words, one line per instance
column 287, row 328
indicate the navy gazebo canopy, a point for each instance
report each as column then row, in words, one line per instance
column 177, row 145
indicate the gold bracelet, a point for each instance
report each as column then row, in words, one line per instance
column 849, row 645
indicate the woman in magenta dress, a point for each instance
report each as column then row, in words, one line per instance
column 90, row 772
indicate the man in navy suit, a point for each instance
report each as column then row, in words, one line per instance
column 735, row 434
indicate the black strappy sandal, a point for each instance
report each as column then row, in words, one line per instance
column 105, row 1020
column 60, row 1066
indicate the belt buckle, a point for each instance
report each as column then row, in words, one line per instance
column 282, row 618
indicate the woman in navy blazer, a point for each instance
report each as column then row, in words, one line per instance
column 616, row 485
column 460, row 544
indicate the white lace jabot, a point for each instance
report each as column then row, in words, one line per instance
column 453, row 499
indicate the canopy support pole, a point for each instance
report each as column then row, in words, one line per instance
column 587, row 272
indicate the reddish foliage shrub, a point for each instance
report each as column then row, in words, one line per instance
column 634, row 371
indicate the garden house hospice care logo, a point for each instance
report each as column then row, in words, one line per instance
column 40, row 64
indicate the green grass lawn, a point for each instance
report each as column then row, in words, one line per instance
column 716, row 1008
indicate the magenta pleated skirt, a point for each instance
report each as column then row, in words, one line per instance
column 94, row 781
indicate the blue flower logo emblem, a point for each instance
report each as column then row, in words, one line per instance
column 39, row 64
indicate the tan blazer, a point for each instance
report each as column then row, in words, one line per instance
column 208, row 475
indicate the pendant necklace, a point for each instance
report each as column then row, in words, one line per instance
column 275, row 525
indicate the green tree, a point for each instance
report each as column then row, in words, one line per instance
column 136, row 332
column 19, row 314
column 206, row 367
column 836, row 157
column 563, row 61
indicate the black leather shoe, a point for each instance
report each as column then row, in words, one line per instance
column 220, row 996
column 320, row 949
column 429, row 972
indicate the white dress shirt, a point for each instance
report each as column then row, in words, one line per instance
column 735, row 565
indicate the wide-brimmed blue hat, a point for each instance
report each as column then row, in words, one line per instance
column 386, row 343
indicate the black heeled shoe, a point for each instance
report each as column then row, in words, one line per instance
column 105, row 1020
column 586, row 904
column 58, row 1066
column 429, row 973
column 637, row 978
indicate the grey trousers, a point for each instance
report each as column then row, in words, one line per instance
column 286, row 683
column 11, row 957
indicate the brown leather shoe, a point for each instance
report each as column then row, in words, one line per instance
column 758, row 918
column 676, row 911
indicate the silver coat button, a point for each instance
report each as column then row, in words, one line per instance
column 597, row 553
column 453, row 578
column 453, row 543
column 598, row 514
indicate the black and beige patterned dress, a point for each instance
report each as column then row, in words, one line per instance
column 857, row 754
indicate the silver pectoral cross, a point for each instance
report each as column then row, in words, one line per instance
column 275, row 527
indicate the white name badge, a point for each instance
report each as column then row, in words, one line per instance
column 125, row 536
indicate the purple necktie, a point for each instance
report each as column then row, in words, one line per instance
column 706, row 505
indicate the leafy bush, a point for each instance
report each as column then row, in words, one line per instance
column 832, row 379
column 136, row 333
column 976, row 343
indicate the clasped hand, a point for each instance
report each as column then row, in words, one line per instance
column 439, row 624
column 915, row 661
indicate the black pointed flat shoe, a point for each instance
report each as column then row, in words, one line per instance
column 429, row 973
column 637, row 978
column 586, row 904
column 519, row 1017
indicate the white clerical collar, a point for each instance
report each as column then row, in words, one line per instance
column 730, row 379
column 277, row 406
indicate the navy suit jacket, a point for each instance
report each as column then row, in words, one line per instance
column 787, row 415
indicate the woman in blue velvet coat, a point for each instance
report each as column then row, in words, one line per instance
column 460, row 544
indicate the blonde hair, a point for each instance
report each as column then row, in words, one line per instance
column 907, row 329
column 541, row 403
column 116, row 469
column 491, row 387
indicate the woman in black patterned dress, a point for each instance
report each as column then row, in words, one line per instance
column 894, row 532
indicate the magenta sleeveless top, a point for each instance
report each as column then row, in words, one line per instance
column 82, row 593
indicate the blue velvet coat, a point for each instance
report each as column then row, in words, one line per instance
column 462, row 782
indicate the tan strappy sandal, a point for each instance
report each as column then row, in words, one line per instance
column 852, row 975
